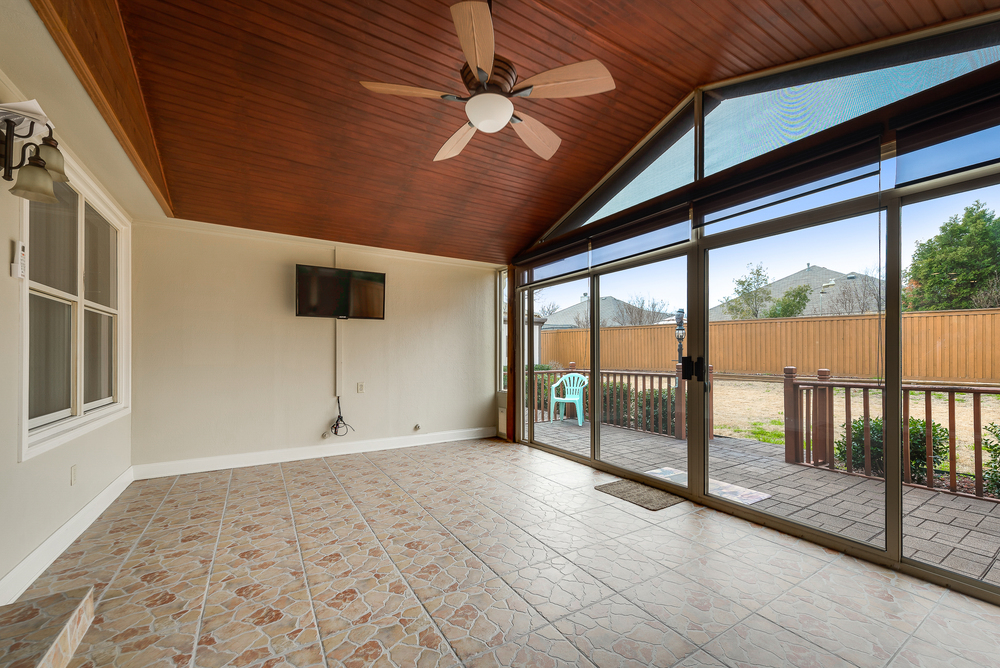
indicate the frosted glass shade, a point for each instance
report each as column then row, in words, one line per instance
column 489, row 112
column 54, row 163
column 34, row 183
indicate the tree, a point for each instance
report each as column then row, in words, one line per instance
column 865, row 293
column 582, row 319
column 752, row 294
column 950, row 268
column 639, row 310
column 791, row 304
column 988, row 295
column 545, row 310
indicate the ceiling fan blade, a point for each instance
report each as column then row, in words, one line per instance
column 586, row 78
column 536, row 135
column 400, row 89
column 456, row 142
column 474, row 26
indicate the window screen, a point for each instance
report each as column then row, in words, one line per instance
column 954, row 142
column 752, row 118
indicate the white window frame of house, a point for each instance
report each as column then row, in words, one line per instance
column 44, row 433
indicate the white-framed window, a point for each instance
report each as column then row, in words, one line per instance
column 74, row 315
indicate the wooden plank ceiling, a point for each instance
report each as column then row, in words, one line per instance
column 260, row 123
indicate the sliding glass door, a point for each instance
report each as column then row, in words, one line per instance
column 560, row 371
column 643, row 425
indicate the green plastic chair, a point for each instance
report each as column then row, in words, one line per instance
column 573, row 384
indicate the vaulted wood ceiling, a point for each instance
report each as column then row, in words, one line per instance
column 249, row 113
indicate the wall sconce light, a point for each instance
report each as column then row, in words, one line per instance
column 35, row 172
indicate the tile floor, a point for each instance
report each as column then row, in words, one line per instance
column 954, row 532
column 481, row 553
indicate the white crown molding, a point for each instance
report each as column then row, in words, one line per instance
column 244, row 233
column 202, row 464
column 21, row 576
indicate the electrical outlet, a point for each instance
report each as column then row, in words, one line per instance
column 361, row 388
column 72, row 475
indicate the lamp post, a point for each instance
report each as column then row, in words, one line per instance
column 679, row 333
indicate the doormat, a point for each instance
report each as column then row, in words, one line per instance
column 715, row 487
column 648, row 497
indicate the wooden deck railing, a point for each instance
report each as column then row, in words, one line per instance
column 809, row 427
column 652, row 402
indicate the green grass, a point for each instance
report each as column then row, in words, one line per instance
column 759, row 432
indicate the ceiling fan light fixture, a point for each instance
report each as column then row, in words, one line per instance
column 489, row 112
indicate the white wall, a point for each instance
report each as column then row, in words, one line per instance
column 221, row 365
column 35, row 495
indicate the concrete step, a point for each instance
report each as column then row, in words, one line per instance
column 45, row 632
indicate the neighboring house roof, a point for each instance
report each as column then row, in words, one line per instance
column 814, row 276
column 610, row 308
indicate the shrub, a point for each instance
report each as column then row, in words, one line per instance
column 918, row 447
column 626, row 406
column 991, row 472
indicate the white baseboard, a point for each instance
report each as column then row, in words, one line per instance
column 21, row 576
column 201, row 464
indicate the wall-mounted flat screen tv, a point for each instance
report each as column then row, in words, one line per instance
column 323, row 292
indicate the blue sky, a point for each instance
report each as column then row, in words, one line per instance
column 844, row 246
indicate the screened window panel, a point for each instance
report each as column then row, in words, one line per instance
column 50, row 356
column 961, row 140
column 100, row 268
column 744, row 126
column 850, row 173
column 53, row 240
column 569, row 260
column 640, row 239
column 98, row 356
column 671, row 170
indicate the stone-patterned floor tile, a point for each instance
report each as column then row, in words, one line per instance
column 543, row 648
column 694, row 611
column 165, row 558
column 479, row 618
column 523, row 512
column 112, row 534
column 706, row 529
column 79, row 568
column 762, row 644
column 738, row 580
column 893, row 578
column 236, row 556
column 152, row 627
column 973, row 606
column 186, row 516
column 569, row 501
column 611, row 521
column 558, row 587
column 784, row 562
column 873, row 598
column 917, row 653
column 256, row 613
column 508, row 550
column 663, row 546
column 615, row 633
column 567, row 534
column 384, row 626
column 615, row 565
column 701, row 659
column 847, row 633
column 967, row 635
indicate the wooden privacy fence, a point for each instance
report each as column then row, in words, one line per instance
column 953, row 346
column 646, row 402
column 809, row 430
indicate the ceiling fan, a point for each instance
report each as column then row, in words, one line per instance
column 492, row 83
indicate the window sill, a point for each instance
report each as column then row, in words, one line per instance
column 45, row 438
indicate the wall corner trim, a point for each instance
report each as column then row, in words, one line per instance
column 21, row 576
column 202, row 464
